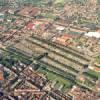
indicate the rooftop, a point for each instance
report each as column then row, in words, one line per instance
column 93, row 34
column 28, row 11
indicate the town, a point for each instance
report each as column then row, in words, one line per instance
column 49, row 50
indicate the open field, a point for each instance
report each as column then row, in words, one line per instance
column 93, row 73
column 54, row 77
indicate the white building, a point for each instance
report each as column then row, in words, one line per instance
column 93, row 34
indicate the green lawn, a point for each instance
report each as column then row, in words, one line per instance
column 9, row 56
column 59, row 1
column 54, row 77
column 97, row 74
column 98, row 59
column 92, row 74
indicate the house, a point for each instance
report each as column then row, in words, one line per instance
column 82, row 94
column 97, row 69
column 98, row 30
column 81, row 78
column 60, row 28
column 30, row 26
column 63, row 39
column 98, row 85
column 78, row 29
column 93, row 34
column 28, row 11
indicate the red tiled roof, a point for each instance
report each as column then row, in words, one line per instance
column 98, row 30
column 65, row 36
column 1, row 76
column 30, row 25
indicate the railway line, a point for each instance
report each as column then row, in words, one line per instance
column 65, row 49
column 52, row 55
column 59, row 65
column 58, row 58
column 68, row 63
column 52, row 68
column 59, row 68
column 59, row 52
column 55, row 51
column 64, row 61
column 61, row 61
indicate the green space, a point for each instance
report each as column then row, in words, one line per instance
column 9, row 58
column 48, row 15
column 73, row 33
column 6, row 74
column 59, row 79
column 92, row 74
column 98, row 59
column 59, row 1
column 21, row 56
column 85, row 21
column 55, row 77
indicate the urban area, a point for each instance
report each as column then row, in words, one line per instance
column 49, row 49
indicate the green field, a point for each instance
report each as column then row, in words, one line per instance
column 92, row 74
column 97, row 74
column 98, row 59
column 54, row 77
column 59, row 1
column 9, row 58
